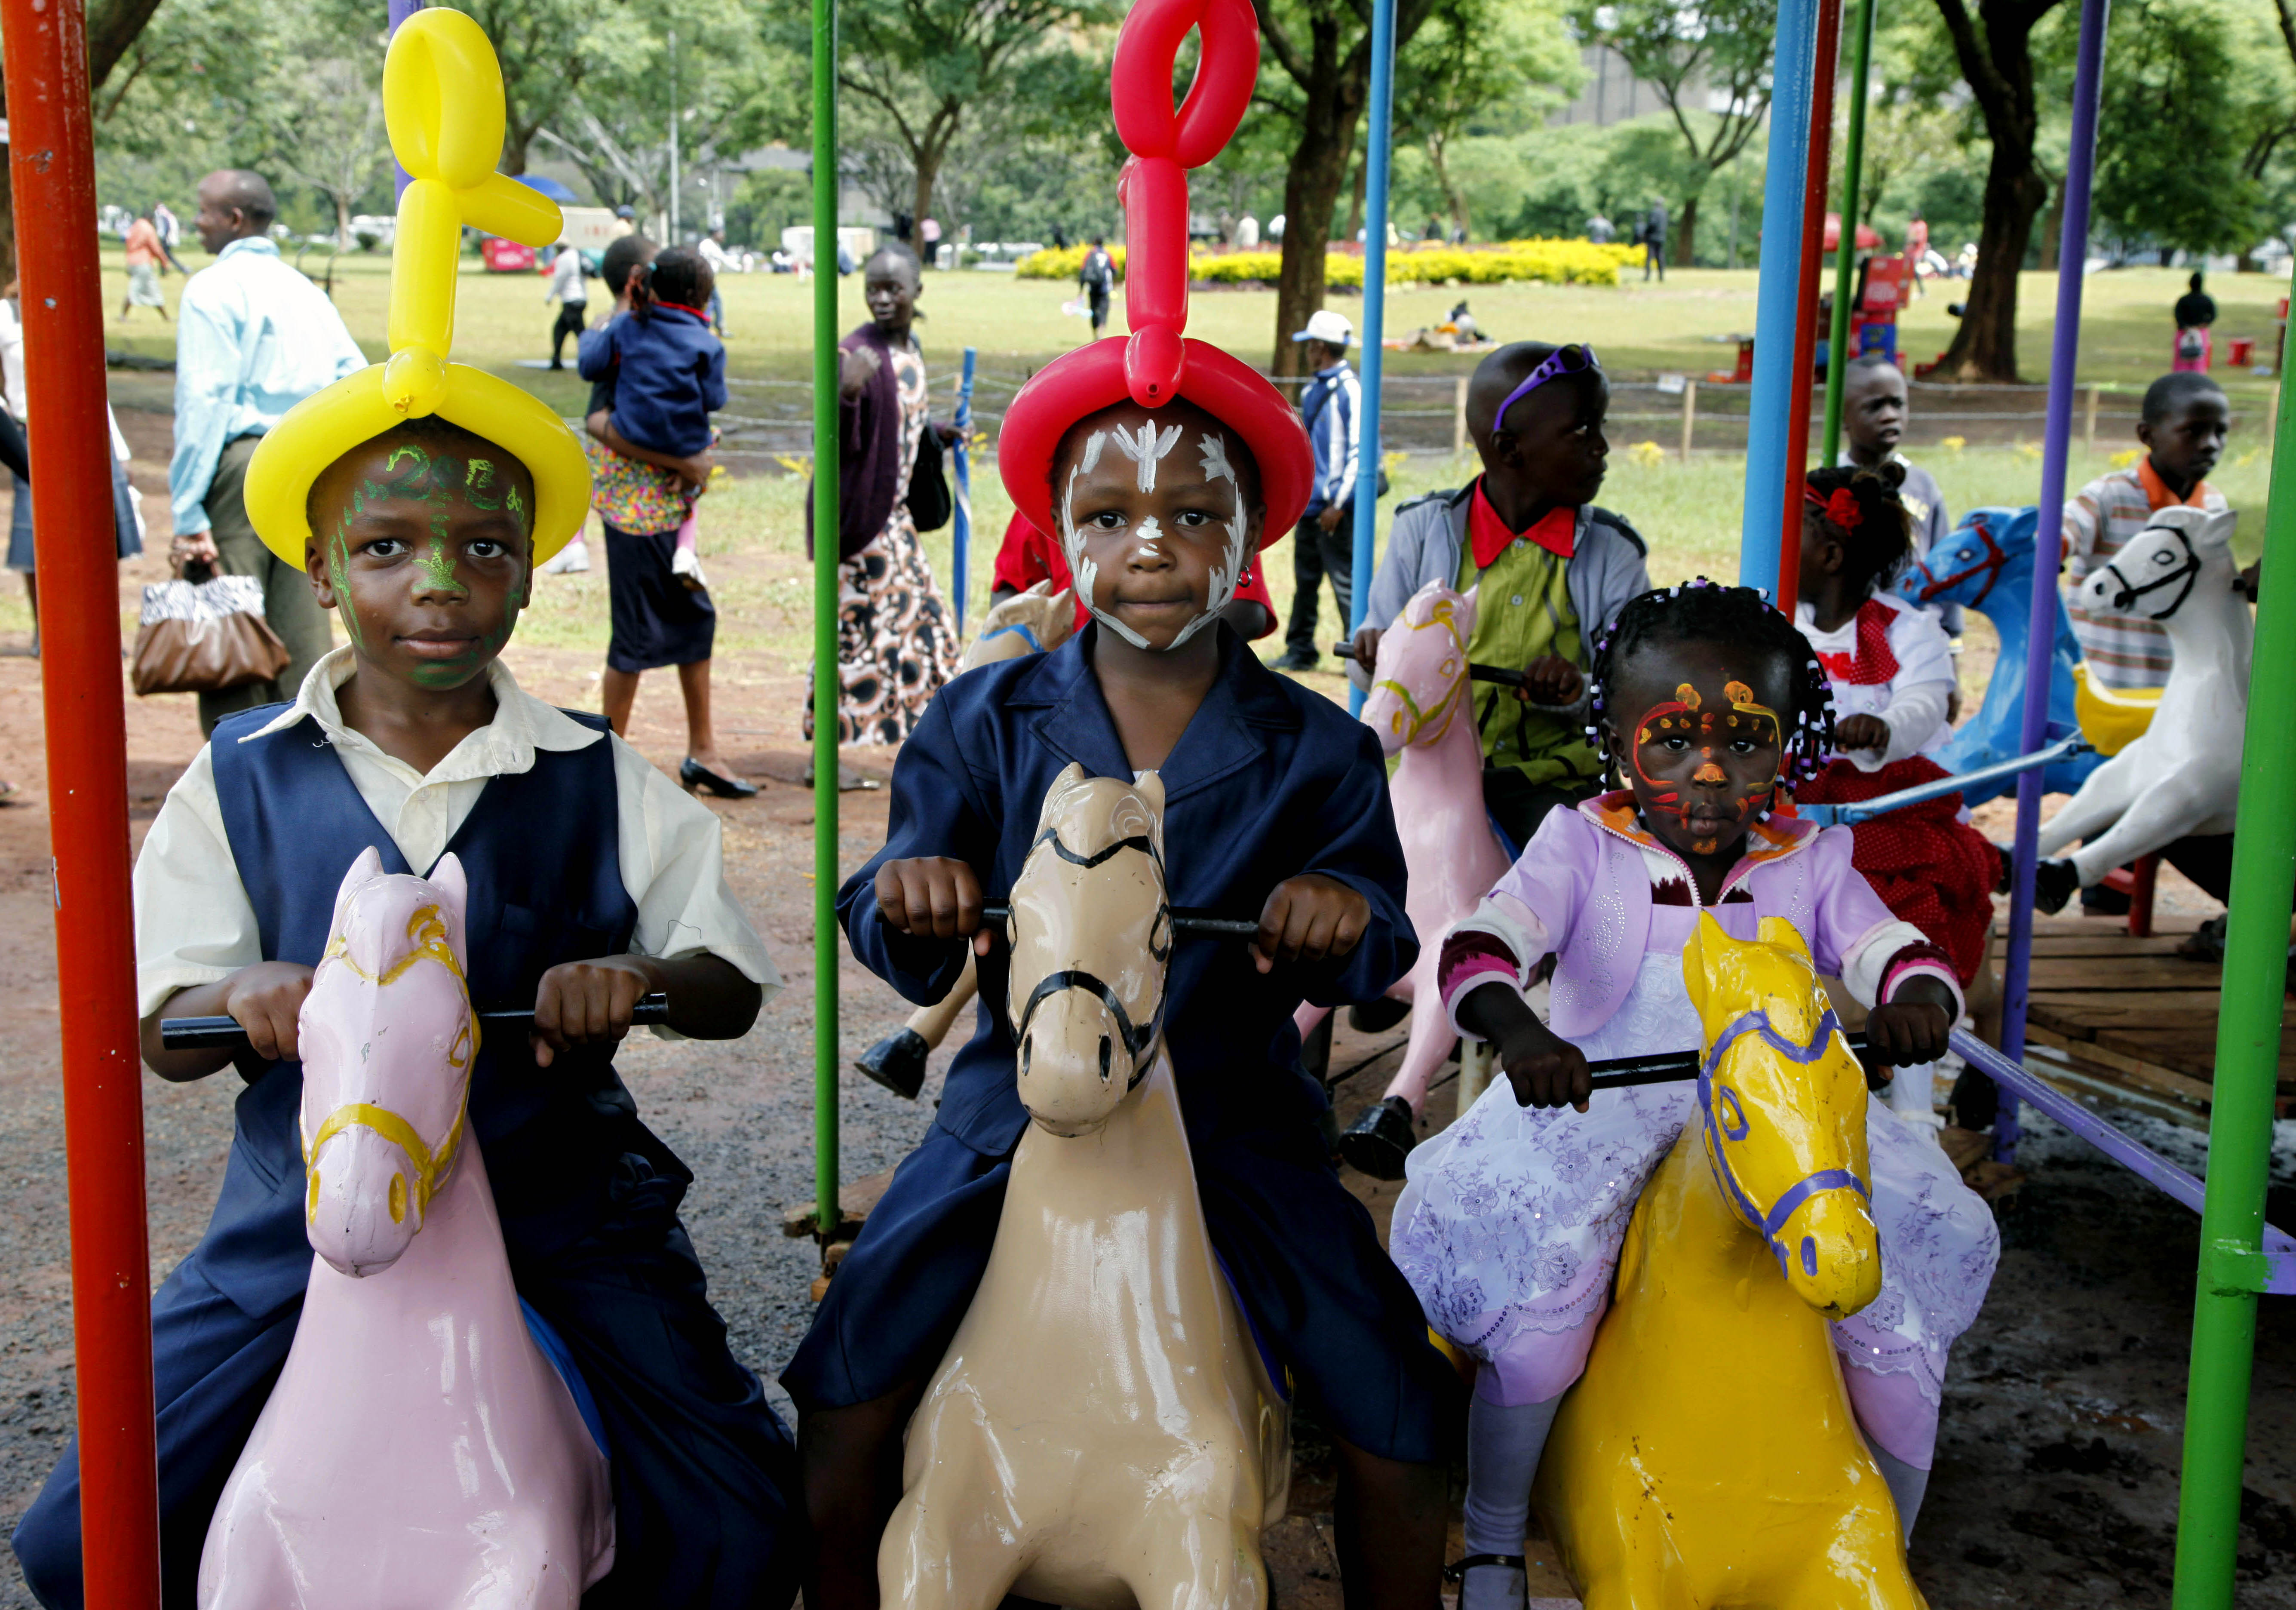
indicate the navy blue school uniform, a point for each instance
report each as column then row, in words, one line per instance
column 1268, row 782
column 589, row 1199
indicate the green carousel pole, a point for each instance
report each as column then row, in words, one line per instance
column 826, row 556
column 2233, row 1269
column 1845, row 256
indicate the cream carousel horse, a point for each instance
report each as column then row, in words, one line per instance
column 1034, row 622
column 1100, row 1432
column 1708, row 1457
column 1423, row 708
column 418, row 1448
column 2182, row 775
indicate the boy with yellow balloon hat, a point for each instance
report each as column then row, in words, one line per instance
column 418, row 496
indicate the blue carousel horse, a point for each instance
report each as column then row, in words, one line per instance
column 1987, row 564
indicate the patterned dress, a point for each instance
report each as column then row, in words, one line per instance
column 895, row 642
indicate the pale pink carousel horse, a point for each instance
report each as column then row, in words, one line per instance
column 1421, row 705
column 1034, row 622
column 1100, row 1432
column 418, row 1448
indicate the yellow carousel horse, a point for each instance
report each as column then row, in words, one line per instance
column 1708, row 1457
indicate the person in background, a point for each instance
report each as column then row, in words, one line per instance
column 147, row 259
column 1874, row 409
column 929, row 232
column 1654, row 241
column 722, row 263
column 1917, row 249
column 253, row 338
column 1601, row 231
column 1247, row 234
column 2184, row 424
column 170, row 230
column 1097, row 275
column 573, row 299
column 1331, row 410
column 2197, row 311
column 625, row 220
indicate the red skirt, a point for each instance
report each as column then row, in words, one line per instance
column 1930, row 868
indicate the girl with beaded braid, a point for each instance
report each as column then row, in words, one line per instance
column 1708, row 702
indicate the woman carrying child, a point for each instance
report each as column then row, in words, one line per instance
column 1511, row 1226
column 1889, row 667
column 657, row 376
column 895, row 642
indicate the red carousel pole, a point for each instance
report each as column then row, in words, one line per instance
column 1813, row 239
column 53, row 165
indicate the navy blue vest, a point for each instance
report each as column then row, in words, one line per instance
column 541, row 851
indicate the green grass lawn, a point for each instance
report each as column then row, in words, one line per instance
column 1689, row 513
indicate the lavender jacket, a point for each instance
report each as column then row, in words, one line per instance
column 1583, row 891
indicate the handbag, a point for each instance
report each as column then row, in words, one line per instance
column 930, row 504
column 205, row 637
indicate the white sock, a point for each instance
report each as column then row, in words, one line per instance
column 1503, row 1450
column 1907, row 1486
column 1913, row 1093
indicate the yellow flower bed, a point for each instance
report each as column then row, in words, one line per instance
column 1551, row 262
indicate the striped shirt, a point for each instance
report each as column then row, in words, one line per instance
column 1331, row 407
column 2122, row 651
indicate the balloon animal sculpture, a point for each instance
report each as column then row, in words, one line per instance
column 1988, row 565
column 1708, row 1456
column 1037, row 621
column 418, row 1448
column 1422, row 707
column 1102, row 1430
column 2181, row 776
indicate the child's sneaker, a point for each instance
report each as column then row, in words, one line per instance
column 572, row 560
column 686, row 566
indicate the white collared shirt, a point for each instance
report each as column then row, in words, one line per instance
column 194, row 924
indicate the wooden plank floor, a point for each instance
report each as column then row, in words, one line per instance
column 2131, row 1013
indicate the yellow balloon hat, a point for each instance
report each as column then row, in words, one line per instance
column 442, row 102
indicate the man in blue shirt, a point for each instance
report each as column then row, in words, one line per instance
column 254, row 338
column 1331, row 407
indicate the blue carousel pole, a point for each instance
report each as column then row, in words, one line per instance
column 961, row 529
column 1771, row 413
column 1374, row 318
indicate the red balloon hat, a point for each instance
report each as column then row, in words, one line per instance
column 1156, row 362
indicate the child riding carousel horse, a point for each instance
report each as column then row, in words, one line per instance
column 1164, row 465
column 1512, row 1224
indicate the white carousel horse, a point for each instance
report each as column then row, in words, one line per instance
column 1034, row 622
column 1423, row 707
column 1100, row 1432
column 2182, row 775
column 1708, row 1456
column 418, row 1448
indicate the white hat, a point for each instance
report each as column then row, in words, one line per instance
column 1328, row 327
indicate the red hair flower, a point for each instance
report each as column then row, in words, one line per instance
column 1841, row 510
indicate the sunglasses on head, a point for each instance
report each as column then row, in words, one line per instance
column 1576, row 359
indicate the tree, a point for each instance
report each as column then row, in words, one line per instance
column 1321, row 90
column 332, row 115
column 1481, row 67
column 1997, row 58
column 1695, row 53
column 2178, row 129
column 915, row 67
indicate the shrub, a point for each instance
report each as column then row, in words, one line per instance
column 1550, row 262
column 1052, row 263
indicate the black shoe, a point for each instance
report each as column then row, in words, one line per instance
column 698, row 777
column 897, row 1062
column 1377, row 1143
column 2054, row 883
column 1295, row 660
column 1377, row 1016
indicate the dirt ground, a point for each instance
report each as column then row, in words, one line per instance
column 2057, row 1466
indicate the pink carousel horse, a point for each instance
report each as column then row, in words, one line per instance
column 418, row 1448
column 1422, row 706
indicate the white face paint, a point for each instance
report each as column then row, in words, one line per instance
column 1146, row 448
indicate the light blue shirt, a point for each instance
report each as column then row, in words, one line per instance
column 253, row 338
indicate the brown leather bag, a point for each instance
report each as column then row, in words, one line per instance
column 204, row 637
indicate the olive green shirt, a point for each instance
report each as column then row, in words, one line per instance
column 1524, row 611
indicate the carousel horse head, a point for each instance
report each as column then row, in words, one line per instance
column 2158, row 569
column 1966, row 566
column 1420, row 685
column 1034, row 622
column 388, row 1040
column 1784, row 1106
column 1091, row 932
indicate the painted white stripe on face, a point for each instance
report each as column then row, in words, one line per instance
column 1225, row 578
column 1151, row 533
column 1092, row 447
column 1086, row 571
column 1145, row 447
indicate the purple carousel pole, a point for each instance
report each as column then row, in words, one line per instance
column 2064, row 359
